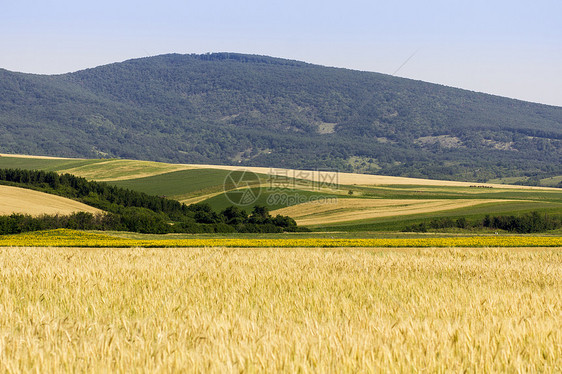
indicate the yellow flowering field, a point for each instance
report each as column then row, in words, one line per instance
column 73, row 238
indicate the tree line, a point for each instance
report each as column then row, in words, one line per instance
column 523, row 224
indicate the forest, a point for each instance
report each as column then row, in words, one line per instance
column 239, row 109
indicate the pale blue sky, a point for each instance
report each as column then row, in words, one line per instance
column 509, row 48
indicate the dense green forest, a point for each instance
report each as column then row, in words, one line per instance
column 253, row 110
column 131, row 210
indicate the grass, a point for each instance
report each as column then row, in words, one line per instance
column 440, row 192
column 546, row 182
column 552, row 181
column 273, row 199
column 267, row 310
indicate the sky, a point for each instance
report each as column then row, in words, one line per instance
column 508, row 48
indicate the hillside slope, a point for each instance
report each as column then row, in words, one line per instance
column 35, row 203
column 261, row 111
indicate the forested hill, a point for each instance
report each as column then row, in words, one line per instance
column 253, row 110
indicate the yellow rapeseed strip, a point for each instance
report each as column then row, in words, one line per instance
column 73, row 238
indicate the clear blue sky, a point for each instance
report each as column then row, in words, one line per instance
column 510, row 48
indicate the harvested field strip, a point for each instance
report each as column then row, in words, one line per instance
column 344, row 210
column 35, row 203
column 115, row 170
column 72, row 238
column 366, row 179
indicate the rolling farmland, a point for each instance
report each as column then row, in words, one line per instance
column 354, row 201
column 345, row 210
column 351, row 298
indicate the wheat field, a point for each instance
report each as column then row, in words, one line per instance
column 265, row 310
column 117, row 170
column 35, row 203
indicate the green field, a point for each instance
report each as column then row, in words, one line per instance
column 271, row 198
column 178, row 184
column 546, row 182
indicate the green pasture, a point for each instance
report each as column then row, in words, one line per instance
column 178, row 183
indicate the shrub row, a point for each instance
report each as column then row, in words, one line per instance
column 526, row 223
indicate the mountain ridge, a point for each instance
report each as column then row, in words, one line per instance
column 281, row 60
column 256, row 110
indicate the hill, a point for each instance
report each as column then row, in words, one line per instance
column 261, row 111
column 349, row 202
column 35, row 203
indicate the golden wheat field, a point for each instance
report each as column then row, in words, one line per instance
column 25, row 201
column 114, row 170
column 267, row 310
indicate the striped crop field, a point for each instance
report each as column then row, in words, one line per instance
column 349, row 210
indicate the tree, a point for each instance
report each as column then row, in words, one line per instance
column 234, row 215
